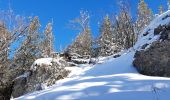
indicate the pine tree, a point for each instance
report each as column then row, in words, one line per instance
column 144, row 15
column 125, row 32
column 160, row 9
column 168, row 3
column 83, row 42
column 47, row 45
column 105, row 41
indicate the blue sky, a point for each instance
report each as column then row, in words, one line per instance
column 61, row 11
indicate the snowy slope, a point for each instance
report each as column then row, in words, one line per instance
column 162, row 19
column 115, row 79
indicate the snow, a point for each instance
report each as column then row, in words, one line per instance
column 150, row 38
column 23, row 75
column 81, row 60
column 114, row 79
column 45, row 61
column 111, row 79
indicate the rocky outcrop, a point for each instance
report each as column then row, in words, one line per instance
column 155, row 60
column 44, row 72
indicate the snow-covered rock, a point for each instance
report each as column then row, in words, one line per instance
column 43, row 72
column 147, row 36
column 154, row 59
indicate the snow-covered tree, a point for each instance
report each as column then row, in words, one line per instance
column 83, row 42
column 168, row 3
column 124, row 34
column 5, row 36
column 29, row 50
column 144, row 15
column 161, row 9
column 105, row 41
column 124, row 30
column 47, row 45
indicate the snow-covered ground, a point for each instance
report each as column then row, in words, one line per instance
column 115, row 79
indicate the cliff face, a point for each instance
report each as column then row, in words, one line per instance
column 153, row 48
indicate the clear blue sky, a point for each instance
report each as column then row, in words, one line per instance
column 61, row 11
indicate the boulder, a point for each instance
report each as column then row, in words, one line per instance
column 158, row 30
column 19, row 87
column 155, row 59
column 44, row 72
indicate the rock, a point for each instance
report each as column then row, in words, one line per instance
column 19, row 87
column 165, row 17
column 158, row 30
column 93, row 61
column 44, row 71
column 146, row 33
column 144, row 46
column 165, row 35
column 117, row 55
column 6, row 91
column 80, row 61
column 154, row 61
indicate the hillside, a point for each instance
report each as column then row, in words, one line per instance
column 113, row 78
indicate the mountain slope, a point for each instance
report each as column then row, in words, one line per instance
column 116, row 78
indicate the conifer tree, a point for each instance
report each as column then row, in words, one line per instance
column 124, row 28
column 144, row 15
column 47, row 45
column 83, row 42
column 160, row 9
column 125, row 31
column 105, row 41
column 168, row 3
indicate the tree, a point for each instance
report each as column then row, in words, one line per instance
column 4, row 45
column 168, row 3
column 83, row 42
column 29, row 50
column 12, row 30
column 124, row 30
column 105, row 41
column 161, row 9
column 144, row 16
column 47, row 45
